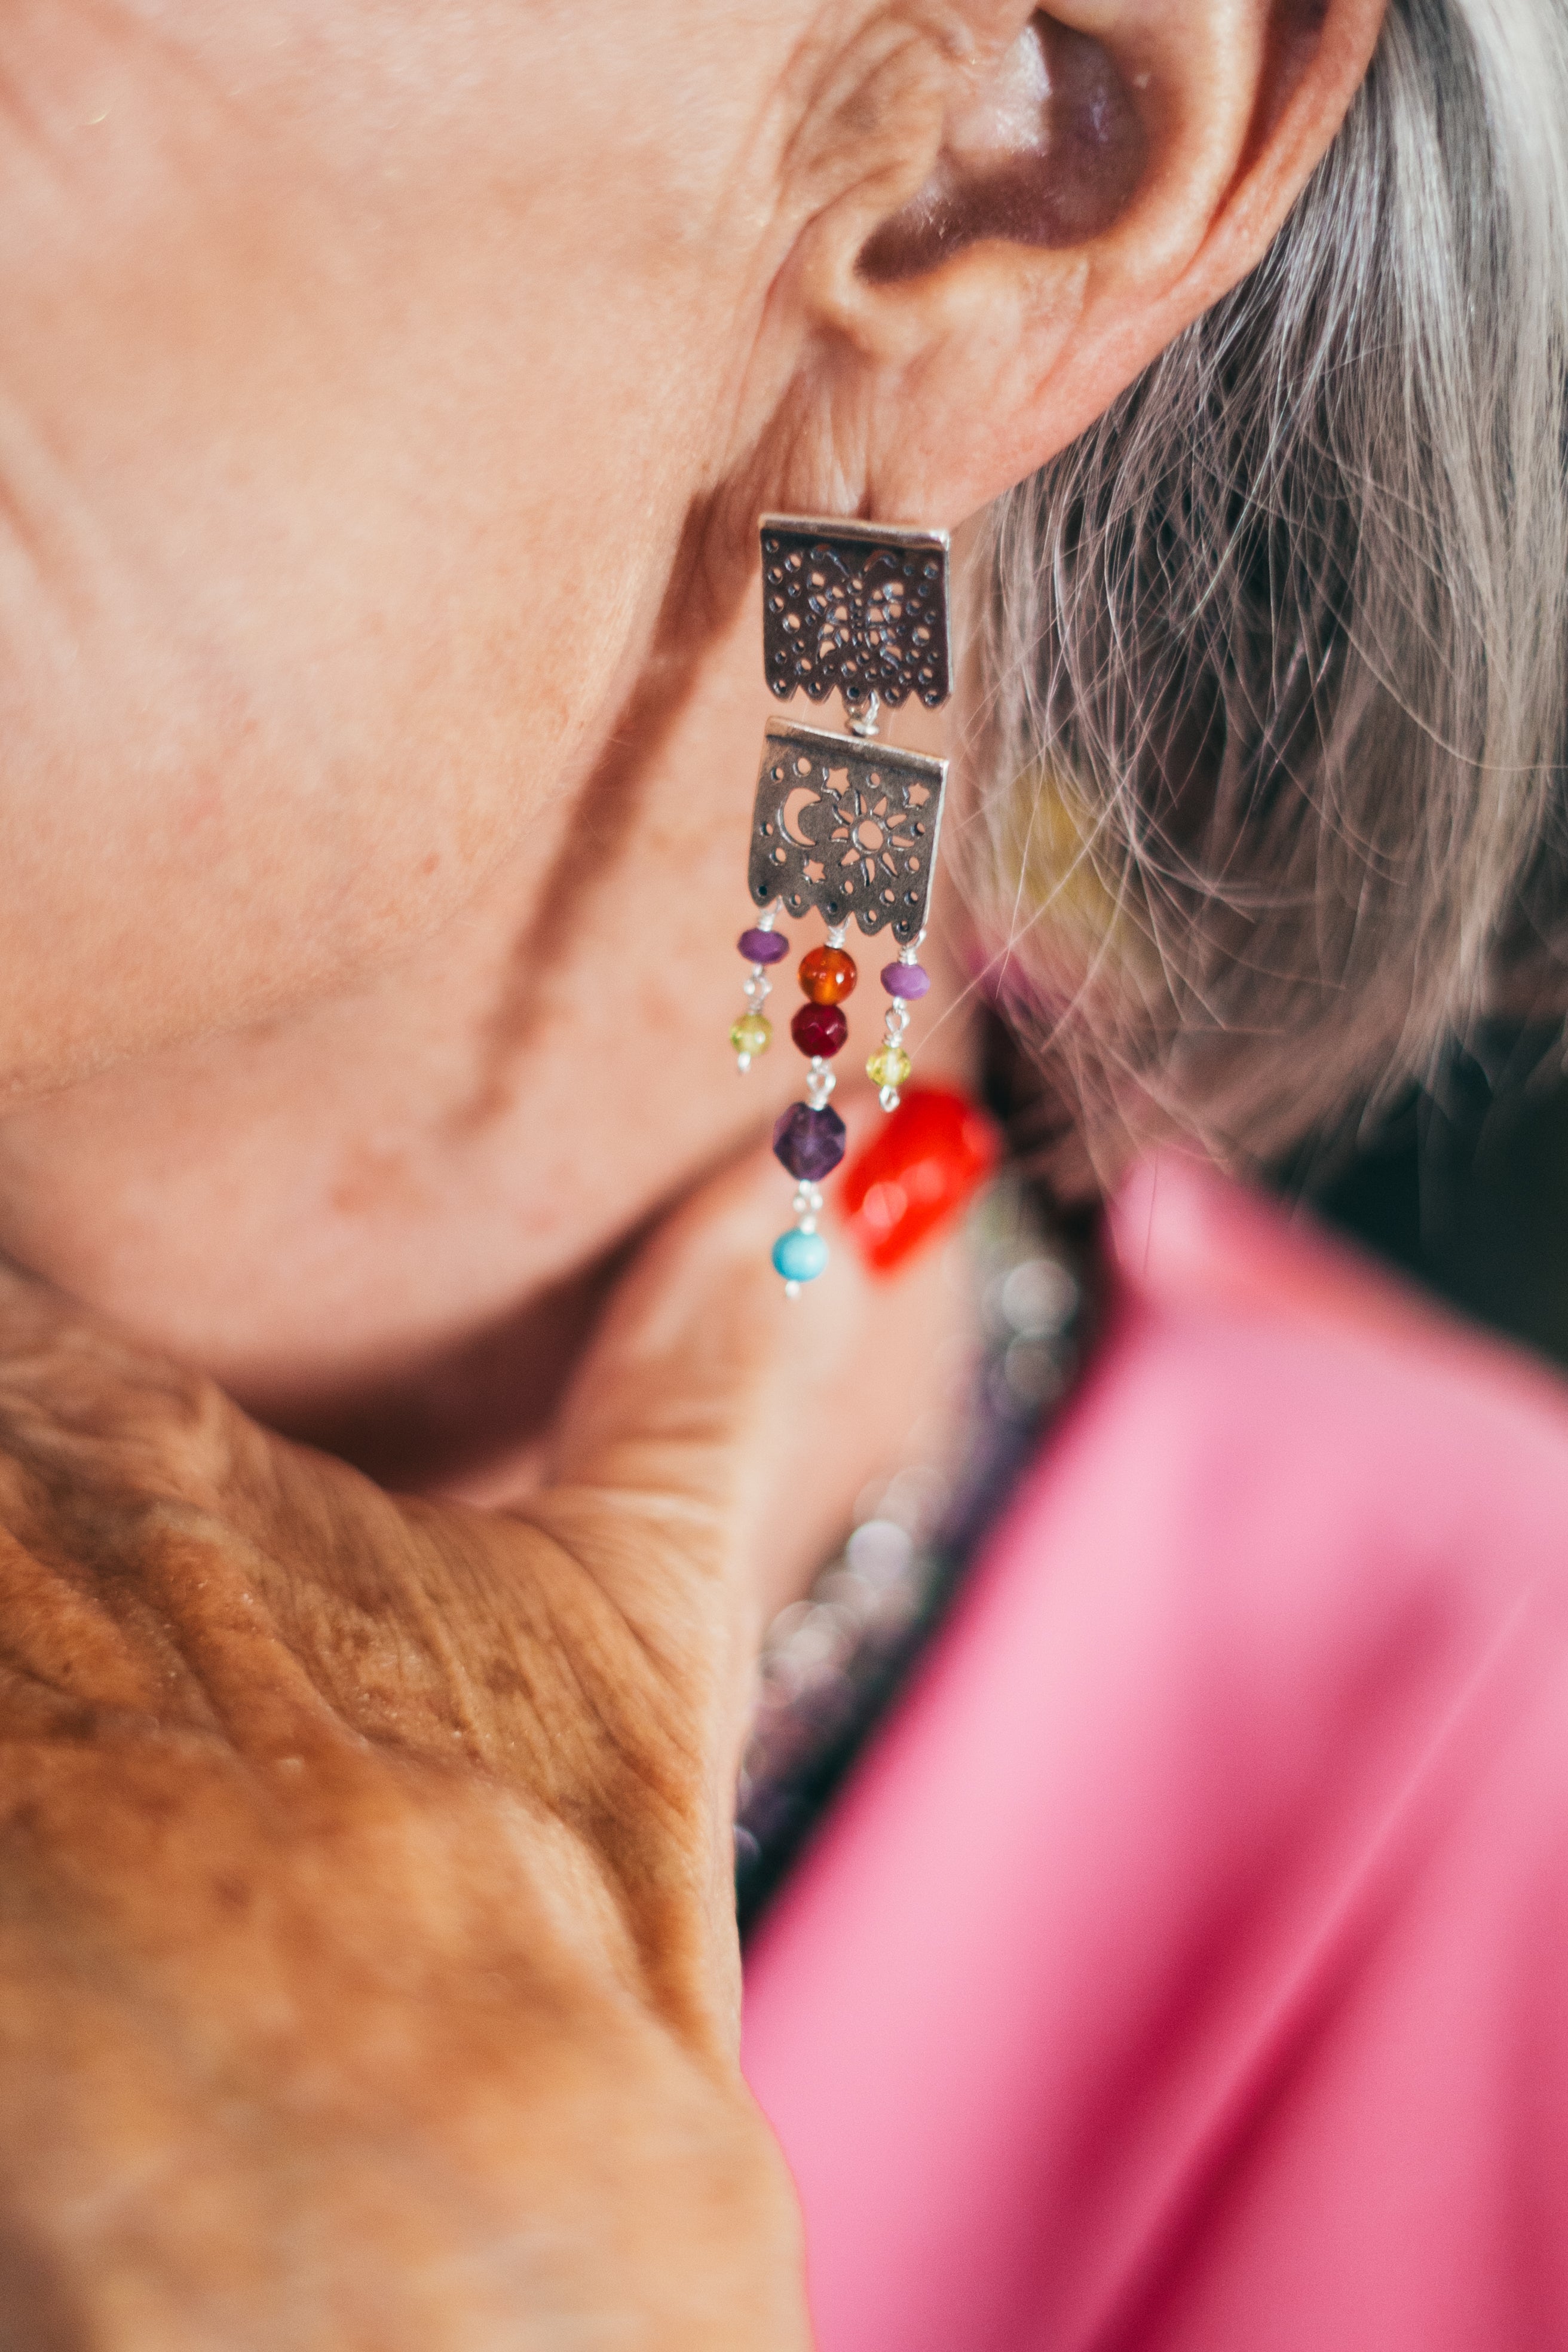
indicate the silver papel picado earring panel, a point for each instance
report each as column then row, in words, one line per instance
column 845, row 827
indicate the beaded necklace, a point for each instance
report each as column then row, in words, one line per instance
column 832, row 1663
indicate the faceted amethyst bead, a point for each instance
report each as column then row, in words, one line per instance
column 810, row 1143
column 762, row 947
column 906, row 980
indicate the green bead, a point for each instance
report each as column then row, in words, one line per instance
column 889, row 1065
column 751, row 1034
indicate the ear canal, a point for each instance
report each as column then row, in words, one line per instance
column 1049, row 154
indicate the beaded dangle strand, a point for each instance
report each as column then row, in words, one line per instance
column 904, row 982
column 762, row 947
column 809, row 1138
column 861, row 610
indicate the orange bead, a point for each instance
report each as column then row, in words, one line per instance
column 828, row 975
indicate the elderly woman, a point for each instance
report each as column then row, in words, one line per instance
column 405, row 1435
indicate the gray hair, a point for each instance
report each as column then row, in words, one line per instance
column 1274, row 656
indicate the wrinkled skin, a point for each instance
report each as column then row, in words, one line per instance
column 367, row 1963
column 389, row 391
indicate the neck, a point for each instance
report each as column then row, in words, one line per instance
column 386, row 1220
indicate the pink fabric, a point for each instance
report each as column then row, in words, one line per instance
column 1188, row 1967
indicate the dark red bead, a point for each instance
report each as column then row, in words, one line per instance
column 819, row 1029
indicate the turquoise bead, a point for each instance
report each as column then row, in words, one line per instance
column 800, row 1257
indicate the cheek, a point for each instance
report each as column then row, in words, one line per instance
column 334, row 509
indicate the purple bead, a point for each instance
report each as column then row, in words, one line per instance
column 809, row 1143
column 762, row 947
column 905, row 980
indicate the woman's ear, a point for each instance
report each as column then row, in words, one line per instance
column 1048, row 198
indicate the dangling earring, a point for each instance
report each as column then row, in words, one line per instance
column 842, row 823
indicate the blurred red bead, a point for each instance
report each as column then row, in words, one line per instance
column 828, row 975
column 915, row 1175
column 819, row 1029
